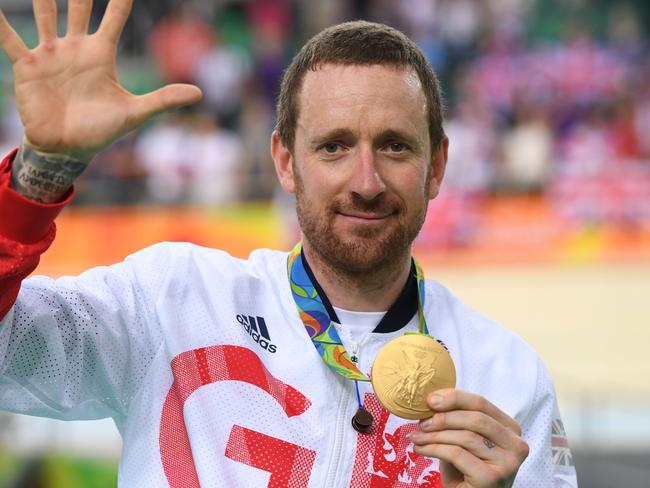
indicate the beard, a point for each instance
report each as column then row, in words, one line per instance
column 364, row 249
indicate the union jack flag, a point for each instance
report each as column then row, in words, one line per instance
column 560, row 445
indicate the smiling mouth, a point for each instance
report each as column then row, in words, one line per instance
column 365, row 216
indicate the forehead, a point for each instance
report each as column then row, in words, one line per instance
column 365, row 98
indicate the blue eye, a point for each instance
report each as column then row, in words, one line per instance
column 397, row 147
column 330, row 147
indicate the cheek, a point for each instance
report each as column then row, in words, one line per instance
column 322, row 187
column 313, row 198
column 412, row 188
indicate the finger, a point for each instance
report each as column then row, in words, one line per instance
column 476, row 444
column 475, row 472
column 11, row 42
column 117, row 13
column 166, row 98
column 450, row 399
column 45, row 15
column 464, row 461
column 476, row 422
column 79, row 16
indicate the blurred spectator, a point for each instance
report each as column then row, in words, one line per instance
column 216, row 158
column 526, row 151
column 460, row 21
column 471, row 150
column 642, row 122
column 256, row 123
column 271, row 25
column 625, row 140
column 588, row 147
column 508, row 18
column 221, row 74
column 179, row 42
column 162, row 152
column 315, row 16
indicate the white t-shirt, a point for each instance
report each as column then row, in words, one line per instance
column 354, row 327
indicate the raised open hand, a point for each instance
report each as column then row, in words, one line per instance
column 68, row 95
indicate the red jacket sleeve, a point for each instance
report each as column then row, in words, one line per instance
column 26, row 231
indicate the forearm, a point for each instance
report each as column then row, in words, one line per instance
column 44, row 177
column 26, row 231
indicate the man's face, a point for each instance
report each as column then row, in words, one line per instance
column 362, row 165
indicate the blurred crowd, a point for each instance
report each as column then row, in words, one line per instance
column 544, row 97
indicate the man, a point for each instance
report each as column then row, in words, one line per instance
column 205, row 361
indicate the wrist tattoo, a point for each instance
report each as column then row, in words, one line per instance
column 44, row 177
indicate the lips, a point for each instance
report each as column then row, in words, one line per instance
column 366, row 216
column 360, row 210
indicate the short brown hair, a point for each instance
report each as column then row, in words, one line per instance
column 357, row 43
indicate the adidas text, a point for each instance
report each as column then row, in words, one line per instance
column 256, row 328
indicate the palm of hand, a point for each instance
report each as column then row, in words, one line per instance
column 59, row 85
column 67, row 91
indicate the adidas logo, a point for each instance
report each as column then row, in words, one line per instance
column 256, row 328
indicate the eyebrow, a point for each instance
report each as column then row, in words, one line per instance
column 397, row 135
column 335, row 134
column 382, row 138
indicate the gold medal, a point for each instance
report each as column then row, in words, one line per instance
column 406, row 370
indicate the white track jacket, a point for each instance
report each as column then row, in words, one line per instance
column 203, row 363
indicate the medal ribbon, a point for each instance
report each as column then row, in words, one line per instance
column 321, row 328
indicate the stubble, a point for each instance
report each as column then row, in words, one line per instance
column 366, row 251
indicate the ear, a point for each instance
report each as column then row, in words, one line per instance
column 438, row 165
column 283, row 161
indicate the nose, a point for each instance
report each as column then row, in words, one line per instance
column 366, row 180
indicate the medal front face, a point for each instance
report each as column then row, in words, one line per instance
column 406, row 370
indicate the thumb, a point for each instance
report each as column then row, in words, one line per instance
column 166, row 98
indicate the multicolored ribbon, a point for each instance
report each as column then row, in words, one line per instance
column 321, row 328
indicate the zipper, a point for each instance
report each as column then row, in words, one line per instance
column 341, row 424
column 343, row 418
column 354, row 354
